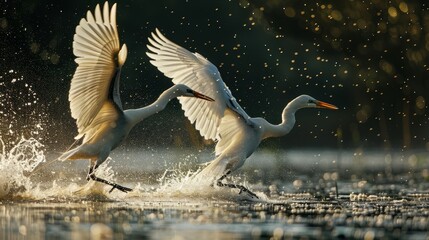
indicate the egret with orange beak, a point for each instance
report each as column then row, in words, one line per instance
column 223, row 120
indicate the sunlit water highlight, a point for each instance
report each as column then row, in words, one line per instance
column 311, row 194
column 19, row 183
column 15, row 163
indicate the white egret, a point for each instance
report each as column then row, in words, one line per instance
column 94, row 92
column 224, row 120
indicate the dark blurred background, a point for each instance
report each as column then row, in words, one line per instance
column 370, row 58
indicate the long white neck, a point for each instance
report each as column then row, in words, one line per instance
column 288, row 121
column 135, row 116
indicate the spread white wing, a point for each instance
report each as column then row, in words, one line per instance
column 95, row 83
column 199, row 74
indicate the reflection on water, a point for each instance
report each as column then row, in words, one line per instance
column 303, row 194
column 140, row 219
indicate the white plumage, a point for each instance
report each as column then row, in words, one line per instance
column 96, row 45
column 197, row 72
column 223, row 120
column 94, row 92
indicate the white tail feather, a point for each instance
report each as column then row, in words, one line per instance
column 211, row 173
column 65, row 156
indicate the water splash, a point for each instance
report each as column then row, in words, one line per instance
column 176, row 183
column 21, row 111
column 16, row 163
column 16, row 181
column 66, row 188
column 94, row 190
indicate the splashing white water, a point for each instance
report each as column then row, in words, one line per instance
column 176, row 183
column 16, row 182
column 20, row 160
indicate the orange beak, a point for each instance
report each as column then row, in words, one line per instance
column 321, row 104
column 202, row 96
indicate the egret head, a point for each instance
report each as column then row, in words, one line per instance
column 185, row 91
column 305, row 101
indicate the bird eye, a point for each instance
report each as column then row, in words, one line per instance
column 189, row 90
column 311, row 101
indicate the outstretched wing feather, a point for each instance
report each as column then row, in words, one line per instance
column 201, row 75
column 96, row 46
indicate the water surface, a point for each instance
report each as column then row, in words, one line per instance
column 311, row 194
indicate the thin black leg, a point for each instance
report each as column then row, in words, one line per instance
column 91, row 175
column 114, row 185
column 231, row 185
